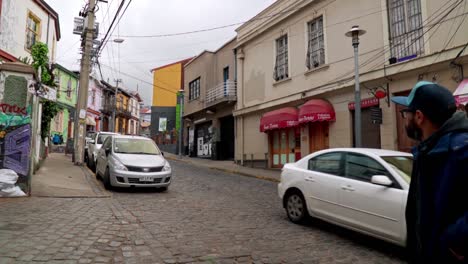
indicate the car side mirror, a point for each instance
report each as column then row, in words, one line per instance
column 381, row 180
column 162, row 153
column 92, row 141
column 108, row 150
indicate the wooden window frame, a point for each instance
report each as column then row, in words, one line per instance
column 194, row 89
column 405, row 27
column 281, row 70
column 37, row 33
column 315, row 43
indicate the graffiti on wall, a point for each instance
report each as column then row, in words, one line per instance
column 15, row 137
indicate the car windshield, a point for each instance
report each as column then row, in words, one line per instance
column 402, row 164
column 135, row 146
column 101, row 138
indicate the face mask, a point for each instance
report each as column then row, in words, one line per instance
column 413, row 131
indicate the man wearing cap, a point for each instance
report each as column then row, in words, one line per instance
column 437, row 206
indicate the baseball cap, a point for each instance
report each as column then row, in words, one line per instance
column 434, row 100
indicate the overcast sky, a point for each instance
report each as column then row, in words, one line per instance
column 153, row 17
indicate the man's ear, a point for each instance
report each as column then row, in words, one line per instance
column 419, row 117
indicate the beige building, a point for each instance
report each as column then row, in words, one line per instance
column 296, row 72
column 210, row 97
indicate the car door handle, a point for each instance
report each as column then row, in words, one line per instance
column 310, row 179
column 348, row 188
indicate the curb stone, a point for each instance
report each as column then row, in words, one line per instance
column 260, row 177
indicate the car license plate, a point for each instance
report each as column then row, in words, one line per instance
column 146, row 179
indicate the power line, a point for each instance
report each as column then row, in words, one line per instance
column 110, row 27
column 141, row 80
column 449, row 41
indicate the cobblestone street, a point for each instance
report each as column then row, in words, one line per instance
column 207, row 216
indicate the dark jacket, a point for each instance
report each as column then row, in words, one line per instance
column 437, row 207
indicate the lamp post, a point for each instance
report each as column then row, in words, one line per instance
column 354, row 33
column 181, row 118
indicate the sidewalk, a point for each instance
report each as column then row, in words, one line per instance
column 59, row 177
column 230, row 167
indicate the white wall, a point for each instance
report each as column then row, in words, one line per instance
column 13, row 27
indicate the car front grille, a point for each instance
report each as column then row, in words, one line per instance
column 144, row 169
column 137, row 181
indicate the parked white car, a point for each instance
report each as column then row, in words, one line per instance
column 361, row 189
column 94, row 145
column 132, row 161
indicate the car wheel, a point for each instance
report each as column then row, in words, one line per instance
column 296, row 207
column 93, row 164
column 106, row 180
column 97, row 173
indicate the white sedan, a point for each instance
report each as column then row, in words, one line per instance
column 361, row 189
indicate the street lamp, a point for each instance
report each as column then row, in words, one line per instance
column 181, row 118
column 354, row 33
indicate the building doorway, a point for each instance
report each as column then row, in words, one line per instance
column 318, row 136
column 370, row 131
column 226, row 151
column 283, row 146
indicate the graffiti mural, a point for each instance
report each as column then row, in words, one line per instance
column 16, row 149
column 15, row 137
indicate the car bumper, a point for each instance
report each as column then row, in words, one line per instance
column 135, row 179
column 281, row 190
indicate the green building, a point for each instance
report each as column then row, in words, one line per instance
column 67, row 82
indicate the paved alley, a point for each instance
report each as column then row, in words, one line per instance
column 207, row 216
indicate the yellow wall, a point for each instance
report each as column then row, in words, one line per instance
column 164, row 79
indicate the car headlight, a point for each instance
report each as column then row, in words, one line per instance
column 119, row 165
column 167, row 166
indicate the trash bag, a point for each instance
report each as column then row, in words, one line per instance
column 8, row 177
column 12, row 192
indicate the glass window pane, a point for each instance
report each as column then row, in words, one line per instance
column 283, row 141
column 275, row 140
column 362, row 167
column 327, row 163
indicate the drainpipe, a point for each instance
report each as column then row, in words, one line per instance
column 48, row 25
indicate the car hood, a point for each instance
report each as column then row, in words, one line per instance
column 139, row 160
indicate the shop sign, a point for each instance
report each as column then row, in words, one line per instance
column 365, row 103
column 283, row 124
column 316, row 117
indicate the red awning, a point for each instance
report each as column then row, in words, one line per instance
column 281, row 118
column 316, row 110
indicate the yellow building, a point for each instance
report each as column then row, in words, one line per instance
column 123, row 113
column 168, row 80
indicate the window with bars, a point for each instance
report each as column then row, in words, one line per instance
column 194, row 89
column 93, row 97
column 281, row 65
column 316, row 45
column 69, row 87
column 406, row 29
column 32, row 30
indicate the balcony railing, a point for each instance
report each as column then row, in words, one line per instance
column 107, row 108
column 226, row 91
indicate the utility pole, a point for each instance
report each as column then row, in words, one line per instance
column 181, row 117
column 80, row 115
column 114, row 109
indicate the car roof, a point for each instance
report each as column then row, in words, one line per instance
column 371, row 151
column 106, row 133
column 132, row 137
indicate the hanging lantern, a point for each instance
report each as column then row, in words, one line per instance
column 380, row 94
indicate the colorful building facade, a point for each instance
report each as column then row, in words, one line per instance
column 67, row 89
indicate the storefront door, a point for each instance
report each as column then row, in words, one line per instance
column 282, row 147
column 318, row 136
